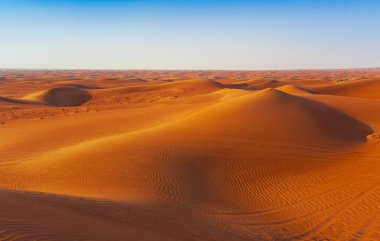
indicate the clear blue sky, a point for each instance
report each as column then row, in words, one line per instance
column 209, row 34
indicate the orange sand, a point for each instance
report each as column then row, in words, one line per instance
column 190, row 155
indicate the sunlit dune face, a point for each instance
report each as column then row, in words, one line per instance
column 190, row 155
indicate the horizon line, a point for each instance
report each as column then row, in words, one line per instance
column 148, row 69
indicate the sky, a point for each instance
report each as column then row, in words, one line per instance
column 208, row 34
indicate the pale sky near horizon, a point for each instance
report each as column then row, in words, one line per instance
column 209, row 34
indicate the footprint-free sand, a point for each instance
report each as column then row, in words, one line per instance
column 190, row 155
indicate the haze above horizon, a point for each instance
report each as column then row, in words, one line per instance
column 167, row 34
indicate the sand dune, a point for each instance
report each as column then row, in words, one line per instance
column 242, row 86
column 59, row 96
column 293, row 90
column 204, row 156
column 360, row 88
column 307, row 123
column 196, row 86
column 269, row 83
column 19, row 101
column 83, row 86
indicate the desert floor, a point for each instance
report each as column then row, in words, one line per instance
column 190, row 155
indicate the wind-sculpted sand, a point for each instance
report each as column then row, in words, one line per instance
column 190, row 155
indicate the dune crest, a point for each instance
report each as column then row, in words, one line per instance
column 293, row 90
column 267, row 113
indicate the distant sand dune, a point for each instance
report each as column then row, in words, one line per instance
column 360, row 88
column 269, row 83
column 83, row 86
column 61, row 96
column 242, row 86
column 203, row 86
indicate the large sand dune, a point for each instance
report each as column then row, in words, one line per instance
column 161, row 155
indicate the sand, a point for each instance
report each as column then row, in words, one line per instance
column 190, row 155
